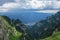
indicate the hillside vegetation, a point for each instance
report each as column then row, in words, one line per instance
column 47, row 29
column 55, row 36
column 9, row 30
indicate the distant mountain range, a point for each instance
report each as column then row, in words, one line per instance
column 27, row 17
column 41, row 29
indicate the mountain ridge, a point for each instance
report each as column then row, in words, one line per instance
column 40, row 29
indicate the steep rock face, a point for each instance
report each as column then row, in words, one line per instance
column 16, row 23
column 46, row 27
column 19, row 26
column 3, row 30
column 40, row 30
column 8, row 32
column 15, row 26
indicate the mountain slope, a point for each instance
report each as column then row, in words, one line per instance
column 10, row 31
column 55, row 36
column 46, row 27
column 27, row 16
column 40, row 30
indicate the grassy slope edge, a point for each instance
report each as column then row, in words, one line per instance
column 55, row 36
column 13, row 34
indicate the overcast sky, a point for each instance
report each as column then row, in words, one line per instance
column 6, row 5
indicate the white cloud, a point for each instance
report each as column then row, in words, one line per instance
column 36, row 4
column 48, row 11
column 4, row 1
column 40, row 4
column 30, row 4
column 56, row 5
column 30, row 24
column 10, row 5
column 7, row 6
column 33, row 4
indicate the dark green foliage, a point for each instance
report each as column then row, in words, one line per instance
column 40, row 30
column 20, row 26
column 7, row 19
column 45, row 28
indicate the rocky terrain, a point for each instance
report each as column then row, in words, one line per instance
column 11, row 29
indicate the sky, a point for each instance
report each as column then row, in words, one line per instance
column 38, row 5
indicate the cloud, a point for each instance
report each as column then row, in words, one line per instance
column 30, row 4
column 48, row 11
column 30, row 24
column 36, row 4
column 4, row 1
column 56, row 5
column 8, row 6
column 40, row 4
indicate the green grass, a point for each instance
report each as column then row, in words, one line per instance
column 55, row 36
column 13, row 33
